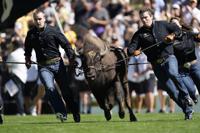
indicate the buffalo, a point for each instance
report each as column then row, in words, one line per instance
column 105, row 69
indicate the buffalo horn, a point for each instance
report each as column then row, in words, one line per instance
column 103, row 52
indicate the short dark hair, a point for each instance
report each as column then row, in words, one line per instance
column 149, row 10
column 38, row 11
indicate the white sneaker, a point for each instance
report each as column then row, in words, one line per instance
column 33, row 111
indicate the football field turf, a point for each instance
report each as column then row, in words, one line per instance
column 95, row 123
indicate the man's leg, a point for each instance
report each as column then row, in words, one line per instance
column 47, row 78
column 171, row 67
column 162, row 99
column 195, row 74
column 69, row 91
column 171, row 106
column 168, row 85
column 37, row 101
column 175, row 95
column 139, row 101
column 149, row 86
column 190, row 86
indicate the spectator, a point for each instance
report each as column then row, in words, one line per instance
column 65, row 12
column 160, row 6
column 115, row 29
column 1, row 108
column 114, row 8
column 34, row 90
column 99, row 18
column 163, row 100
column 18, row 73
column 176, row 11
column 132, row 24
column 1, row 100
column 190, row 11
column 81, row 10
column 70, row 35
column 142, row 82
column 148, row 4
column 85, row 93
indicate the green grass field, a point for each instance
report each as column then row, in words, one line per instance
column 95, row 123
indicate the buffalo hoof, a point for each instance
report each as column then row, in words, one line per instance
column 1, row 119
column 121, row 115
column 77, row 117
column 133, row 117
column 107, row 115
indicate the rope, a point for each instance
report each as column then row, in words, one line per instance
column 145, row 49
column 139, row 63
column 14, row 62
column 156, row 44
column 32, row 62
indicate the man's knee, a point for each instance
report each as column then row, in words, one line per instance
column 174, row 74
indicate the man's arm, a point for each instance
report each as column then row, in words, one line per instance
column 174, row 30
column 65, row 44
column 133, row 47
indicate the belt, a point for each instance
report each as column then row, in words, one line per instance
column 50, row 61
column 160, row 60
column 188, row 64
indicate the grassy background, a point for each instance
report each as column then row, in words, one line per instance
column 95, row 123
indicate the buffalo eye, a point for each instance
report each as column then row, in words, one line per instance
column 97, row 57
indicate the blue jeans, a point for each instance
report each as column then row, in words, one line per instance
column 57, row 71
column 189, row 84
column 171, row 65
column 168, row 75
column 195, row 74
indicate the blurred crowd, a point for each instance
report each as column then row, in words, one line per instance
column 115, row 21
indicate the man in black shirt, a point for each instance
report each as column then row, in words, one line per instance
column 185, row 52
column 162, row 57
column 45, row 40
